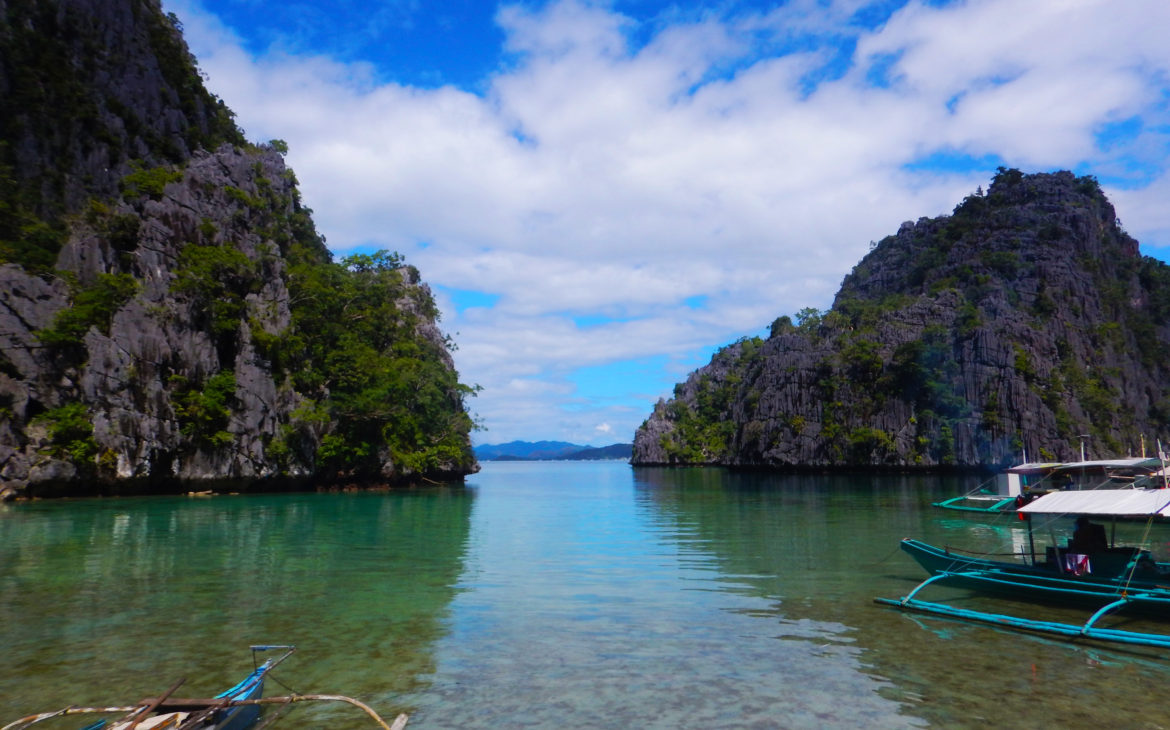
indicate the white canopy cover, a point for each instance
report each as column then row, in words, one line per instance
column 1116, row 502
column 1139, row 463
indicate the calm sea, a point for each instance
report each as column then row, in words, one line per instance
column 546, row 595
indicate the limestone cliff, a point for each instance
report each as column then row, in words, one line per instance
column 1027, row 320
column 169, row 317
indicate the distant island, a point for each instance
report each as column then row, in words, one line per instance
column 550, row 451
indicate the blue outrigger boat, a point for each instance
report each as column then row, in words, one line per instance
column 237, row 708
column 1102, row 577
column 1017, row 485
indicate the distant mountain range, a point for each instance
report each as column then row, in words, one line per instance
column 550, row 451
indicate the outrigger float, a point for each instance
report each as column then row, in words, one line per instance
column 238, row 708
column 1089, row 572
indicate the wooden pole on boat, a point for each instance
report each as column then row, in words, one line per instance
column 398, row 724
column 1031, row 539
column 186, row 705
column 1056, row 549
column 196, row 720
column 153, row 704
column 1162, row 461
column 71, row 710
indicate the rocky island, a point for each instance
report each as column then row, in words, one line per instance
column 1027, row 321
column 169, row 317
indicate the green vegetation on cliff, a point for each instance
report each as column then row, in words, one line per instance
column 171, row 314
column 63, row 139
column 92, row 306
column 381, row 398
column 356, row 336
column 1026, row 319
column 70, row 429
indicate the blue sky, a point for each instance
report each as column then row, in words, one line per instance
column 601, row 194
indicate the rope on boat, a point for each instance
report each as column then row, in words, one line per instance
column 979, row 487
column 1129, row 574
column 892, row 553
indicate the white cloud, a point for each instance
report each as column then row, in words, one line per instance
column 1030, row 83
column 1145, row 214
column 595, row 178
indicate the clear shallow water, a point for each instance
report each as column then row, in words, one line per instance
column 544, row 595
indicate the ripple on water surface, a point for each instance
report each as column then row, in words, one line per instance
column 544, row 595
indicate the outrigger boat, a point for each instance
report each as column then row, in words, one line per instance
column 238, row 708
column 1087, row 573
column 1017, row 485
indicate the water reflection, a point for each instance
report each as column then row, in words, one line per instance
column 548, row 595
column 822, row 547
column 794, row 538
column 155, row 589
column 605, row 598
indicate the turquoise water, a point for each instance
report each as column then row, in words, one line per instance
column 546, row 595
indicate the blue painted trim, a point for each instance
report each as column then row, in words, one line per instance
column 1086, row 630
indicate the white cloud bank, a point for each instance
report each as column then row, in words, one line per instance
column 595, row 178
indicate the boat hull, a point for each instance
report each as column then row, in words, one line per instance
column 242, row 717
column 1039, row 583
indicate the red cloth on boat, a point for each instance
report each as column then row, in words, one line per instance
column 1076, row 564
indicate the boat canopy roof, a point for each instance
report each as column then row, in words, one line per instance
column 1036, row 467
column 1114, row 502
column 1135, row 462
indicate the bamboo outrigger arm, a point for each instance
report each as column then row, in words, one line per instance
column 1083, row 631
column 176, row 705
column 71, row 710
